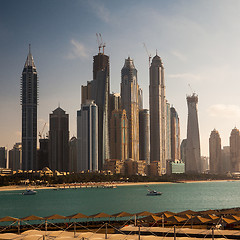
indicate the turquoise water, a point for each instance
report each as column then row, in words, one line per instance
column 176, row 197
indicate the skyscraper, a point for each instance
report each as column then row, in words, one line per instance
column 215, row 152
column 235, row 150
column 98, row 90
column 15, row 157
column 29, row 102
column 3, row 157
column 175, row 135
column 157, row 104
column 119, row 135
column 58, row 140
column 87, row 137
column 129, row 98
column 144, row 135
column 193, row 154
column 73, row 154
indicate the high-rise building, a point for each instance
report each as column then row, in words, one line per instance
column 215, row 153
column 204, row 164
column 73, row 154
column 129, row 98
column 144, row 135
column 235, row 150
column 167, row 136
column 15, row 157
column 193, row 155
column 87, row 137
column 183, row 150
column 29, row 102
column 3, row 157
column 175, row 135
column 98, row 90
column 42, row 154
column 226, row 165
column 114, row 102
column 157, row 104
column 140, row 98
column 119, row 135
column 58, row 140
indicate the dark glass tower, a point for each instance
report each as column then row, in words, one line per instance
column 29, row 102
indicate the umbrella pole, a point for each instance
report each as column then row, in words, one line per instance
column 163, row 220
column 74, row 229
column 174, row 232
column 212, row 233
column 18, row 226
column 139, row 232
column 135, row 220
column 45, row 228
column 106, row 231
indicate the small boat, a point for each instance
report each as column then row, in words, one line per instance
column 29, row 192
column 153, row 193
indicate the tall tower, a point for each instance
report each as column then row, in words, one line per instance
column 215, row 152
column 175, row 135
column 129, row 96
column 144, row 134
column 58, row 140
column 29, row 102
column 157, row 104
column 119, row 135
column 87, row 137
column 193, row 154
column 235, row 150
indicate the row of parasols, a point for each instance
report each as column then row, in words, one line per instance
column 229, row 216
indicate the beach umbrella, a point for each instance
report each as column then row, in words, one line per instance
column 151, row 218
column 8, row 219
column 166, row 214
column 210, row 216
column 234, row 217
column 143, row 214
column 55, row 216
column 100, row 215
column 208, row 212
column 188, row 212
column 78, row 215
column 229, row 212
column 32, row 217
column 123, row 214
column 199, row 220
column 176, row 219
column 228, row 221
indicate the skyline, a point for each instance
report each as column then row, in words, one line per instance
column 197, row 41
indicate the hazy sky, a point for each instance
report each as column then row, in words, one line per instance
column 198, row 41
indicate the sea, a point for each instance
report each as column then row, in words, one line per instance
column 175, row 197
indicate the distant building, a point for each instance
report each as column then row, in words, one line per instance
column 119, row 135
column 215, row 153
column 29, row 102
column 204, row 164
column 226, row 165
column 235, row 150
column 129, row 98
column 43, row 154
column 140, row 98
column 157, row 105
column 183, row 149
column 175, row 135
column 3, row 157
column 87, row 137
column 115, row 166
column 58, row 141
column 114, row 102
column 155, row 169
column 144, row 135
column 133, row 167
column 168, row 136
column 175, row 167
column 15, row 157
column 73, row 155
column 193, row 154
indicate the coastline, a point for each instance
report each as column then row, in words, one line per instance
column 23, row 187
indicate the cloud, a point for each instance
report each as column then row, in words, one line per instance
column 224, row 111
column 78, row 50
column 189, row 77
column 100, row 10
column 179, row 55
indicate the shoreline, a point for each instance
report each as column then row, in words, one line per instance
column 100, row 184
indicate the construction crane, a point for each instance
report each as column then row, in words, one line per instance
column 193, row 92
column 99, row 43
column 40, row 133
column 149, row 55
column 102, row 43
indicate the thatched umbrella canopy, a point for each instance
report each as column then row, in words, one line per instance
column 234, row 217
column 210, row 216
column 123, row 214
column 228, row 221
column 55, row 216
column 166, row 214
column 199, row 220
column 176, row 219
column 208, row 212
column 229, row 212
column 101, row 215
column 8, row 219
column 32, row 217
column 151, row 218
column 143, row 214
column 188, row 212
column 77, row 215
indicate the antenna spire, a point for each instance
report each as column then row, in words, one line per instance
column 29, row 47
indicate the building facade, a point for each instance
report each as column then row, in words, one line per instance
column 215, row 153
column 29, row 102
column 15, row 157
column 73, row 154
column 226, row 164
column 129, row 98
column 42, row 154
column 87, row 137
column 119, row 135
column 175, row 135
column 144, row 135
column 235, row 150
column 58, row 141
column 157, row 104
column 193, row 154
column 3, row 157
